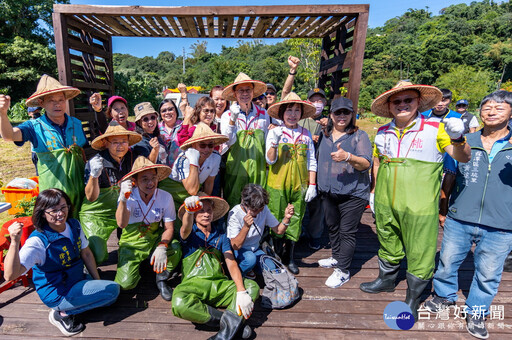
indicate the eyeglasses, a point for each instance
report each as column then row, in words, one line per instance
column 342, row 112
column 55, row 212
column 397, row 102
column 147, row 119
column 208, row 110
column 119, row 143
column 270, row 93
column 258, row 98
column 249, row 90
column 461, row 105
column 204, row 145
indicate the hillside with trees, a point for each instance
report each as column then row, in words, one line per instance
column 467, row 48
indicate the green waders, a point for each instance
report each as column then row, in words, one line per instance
column 245, row 164
column 204, row 284
column 406, row 213
column 138, row 241
column 179, row 193
column 98, row 221
column 63, row 169
column 287, row 183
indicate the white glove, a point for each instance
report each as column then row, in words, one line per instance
column 192, row 204
column 454, row 127
column 159, row 259
column 192, row 156
column 96, row 166
column 126, row 189
column 311, row 193
column 162, row 154
column 372, row 202
column 235, row 111
column 275, row 136
column 244, row 304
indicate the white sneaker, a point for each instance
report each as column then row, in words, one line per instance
column 328, row 263
column 337, row 279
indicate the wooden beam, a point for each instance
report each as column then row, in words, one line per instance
column 79, row 25
column 132, row 25
column 275, row 25
column 175, row 27
column 121, row 27
column 201, row 26
column 89, row 85
column 76, row 44
column 229, row 28
column 60, row 31
column 262, row 27
column 284, row 26
column 287, row 33
column 358, row 46
column 211, row 27
column 248, row 27
column 94, row 22
column 141, row 25
column 163, row 26
column 239, row 23
column 303, row 27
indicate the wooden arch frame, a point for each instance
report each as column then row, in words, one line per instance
column 83, row 40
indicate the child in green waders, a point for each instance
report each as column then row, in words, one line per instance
column 292, row 175
column 140, row 211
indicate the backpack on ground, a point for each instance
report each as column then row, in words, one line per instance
column 281, row 287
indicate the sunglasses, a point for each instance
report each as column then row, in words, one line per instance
column 258, row 98
column 147, row 119
column 342, row 112
column 397, row 102
column 270, row 93
column 208, row 110
column 204, row 145
column 461, row 105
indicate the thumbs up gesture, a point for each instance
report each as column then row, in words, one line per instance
column 340, row 155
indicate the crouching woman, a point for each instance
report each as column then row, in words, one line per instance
column 205, row 287
column 57, row 252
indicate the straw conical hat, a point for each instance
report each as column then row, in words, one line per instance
column 308, row 109
column 48, row 85
column 429, row 97
column 142, row 164
column 203, row 133
column 242, row 78
column 115, row 129
column 220, row 206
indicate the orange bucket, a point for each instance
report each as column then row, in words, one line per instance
column 14, row 195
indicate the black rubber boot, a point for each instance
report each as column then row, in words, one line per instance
column 292, row 266
column 507, row 266
column 163, row 287
column 230, row 325
column 386, row 280
column 415, row 286
column 215, row 316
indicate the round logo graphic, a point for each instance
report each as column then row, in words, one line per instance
column 397, row 315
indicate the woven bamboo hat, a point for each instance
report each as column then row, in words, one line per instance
column 220, row 206
column 115, row 129
column 308, row 109
column 142, row 164
column 48, row 85
column 242, row 78
column 143, row 109
column 429, row 97
column 203, row 133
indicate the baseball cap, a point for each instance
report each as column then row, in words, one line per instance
column 462, row 102
column 33, row 108
column 341, row 103
column 112, row 99
column 270, row 86
column 316, row 90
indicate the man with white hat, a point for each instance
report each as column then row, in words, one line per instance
column 246, row 126
column 56, row 137
column 407, row 168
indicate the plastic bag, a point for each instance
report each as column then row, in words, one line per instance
column 22, row 183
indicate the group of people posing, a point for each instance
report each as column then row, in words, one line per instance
column 236, row 165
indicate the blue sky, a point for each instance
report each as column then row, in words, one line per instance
column 380, row 12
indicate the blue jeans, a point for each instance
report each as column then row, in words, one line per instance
column 249, row 260
column 89, row 294
column 492, row 247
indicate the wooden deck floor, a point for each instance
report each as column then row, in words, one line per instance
column 323, row 313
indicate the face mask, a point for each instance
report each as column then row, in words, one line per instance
column 319, row 107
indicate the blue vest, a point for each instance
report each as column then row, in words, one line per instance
column 63, row 267
column 49, row 139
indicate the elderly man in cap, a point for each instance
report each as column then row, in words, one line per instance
column 56, row 137
column 406, row 175
column 246, row 126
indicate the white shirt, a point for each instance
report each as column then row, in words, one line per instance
column 160, row 207
column 33, row 251
column 299, row 135
column 236, row 222
column 256, row 119
column 181, row 167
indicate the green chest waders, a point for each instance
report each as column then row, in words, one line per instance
column 137, row 243
column 179, row 193
column 98, row 221
column 204, row 283
column 406, row 212
column 245, row 164
column 63, row 169
column 287, row 183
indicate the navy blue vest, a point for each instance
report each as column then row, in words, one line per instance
column 63, row 267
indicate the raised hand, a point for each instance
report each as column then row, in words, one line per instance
column 340, row 155
column 95, row 101
column 5, row 104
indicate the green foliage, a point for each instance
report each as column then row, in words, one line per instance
column 27, row 207
column 18, row 112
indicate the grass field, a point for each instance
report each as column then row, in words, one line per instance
column 16, row 161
